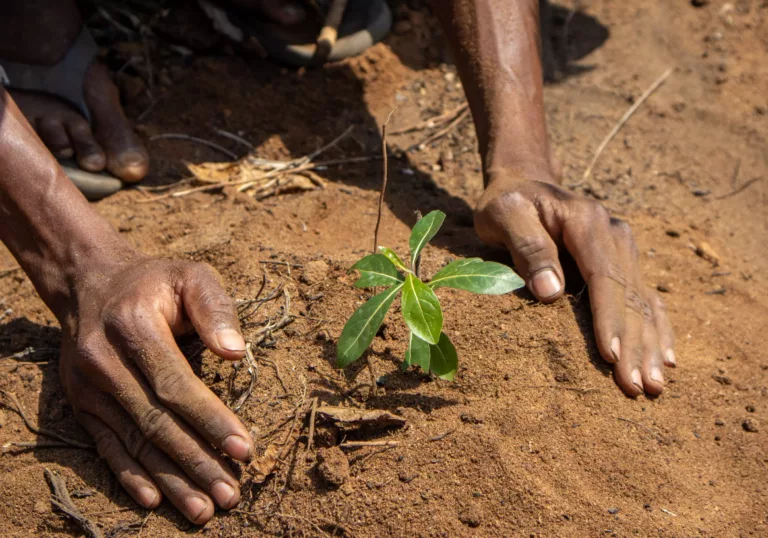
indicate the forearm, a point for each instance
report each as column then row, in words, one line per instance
column 496, row 47
column 45, row 222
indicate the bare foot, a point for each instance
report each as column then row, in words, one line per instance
column 108, row 142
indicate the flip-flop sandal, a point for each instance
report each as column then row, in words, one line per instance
column 362, row 23
column 65, row 80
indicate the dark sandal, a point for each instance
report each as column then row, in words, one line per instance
column 65, row 80
column 364, row 23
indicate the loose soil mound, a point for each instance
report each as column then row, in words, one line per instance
column 533, row 438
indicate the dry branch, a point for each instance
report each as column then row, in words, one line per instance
column 61, row 500
column 18, row 408
column 181, row 136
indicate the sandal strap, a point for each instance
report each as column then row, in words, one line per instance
column 66, row 79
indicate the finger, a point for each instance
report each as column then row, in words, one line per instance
column 178, row 388
column 663, row 328
column 590, row 238
column 131, row 475
column 177, row 487
column 212, row 312
column 531, row 246
column 89, row 154
column 167, row 431
column 55, row 137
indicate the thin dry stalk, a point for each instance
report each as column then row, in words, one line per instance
column 312, row 415
column 233, row 136
column 361, row 444
column 625, row 118
column 433, row 122
column 253, row 371
column 441, row 436
column 18, row 408
column 181, row 136
column 739, row 189
column 61, row 499
column 6, row 272
column 442, row 132
column 383, row 180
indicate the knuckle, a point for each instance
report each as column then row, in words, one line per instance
column 153, row 423
column 137, row 444
column 123, row 315
column 106, row 443
column 588, row 211
column 532, row 247
column 170, row 385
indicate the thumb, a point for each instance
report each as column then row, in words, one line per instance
column 532, row 248
column 212, row 312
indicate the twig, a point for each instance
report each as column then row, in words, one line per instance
column 311, row 157
column 658, row 437
column 579, row 390
column 442, row 132
column 144, row 522
column 432, row 122
column 61, row 500
column 35, row 429
column 361, row 444
column 383, row 180
column 233, row 136
column 312, row 415
column 180, row 136
column 441, row 436
column 23, row 356
column 739, row 189
column 274, row 262
column 33, row 445
column 279, row 377
column 253, row 371
column 628, row 114
column 668, row 512
column 6, row 272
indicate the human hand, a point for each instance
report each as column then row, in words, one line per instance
column 154, row 421
column 533, row 218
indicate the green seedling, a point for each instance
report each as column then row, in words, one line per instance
column 428, row 346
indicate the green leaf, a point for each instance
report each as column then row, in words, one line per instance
column 393, row 257
column 421, row 310
column 477, row 276
column 376, row 270
column 360, row 329
column 417, row 353
column 443, row 361
column 423, row 232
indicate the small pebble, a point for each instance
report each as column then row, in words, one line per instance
column 749, row 425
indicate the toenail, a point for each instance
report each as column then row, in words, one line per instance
column 616, row 348
column 671, row 357
column 147, row 496
column 132, row 158
column 637, row 379
column 195, row 507
column 237, row 447
column 656, row 375
column 222, row 493
column 545, row 284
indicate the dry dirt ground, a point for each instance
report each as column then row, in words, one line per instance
column 533, row 438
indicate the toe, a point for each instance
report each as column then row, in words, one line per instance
column 88, row 152
column 126, row 157
column 54, row 135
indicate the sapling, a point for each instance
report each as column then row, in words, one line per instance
column 428, row 346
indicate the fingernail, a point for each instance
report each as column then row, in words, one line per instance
column 616, row 348
column 637, row 379
column 195, row 507
column 545, row 284
column 230, row 340
column 237, row 447
column 222, row 493
column 147, row 496
column 656, row 375
column 671, row 357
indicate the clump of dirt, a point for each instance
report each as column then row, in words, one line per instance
column 532, row 438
